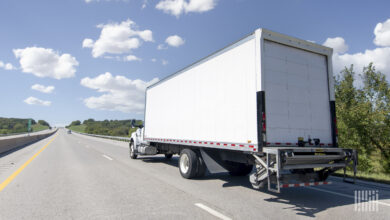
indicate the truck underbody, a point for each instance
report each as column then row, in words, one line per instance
column 274, row 167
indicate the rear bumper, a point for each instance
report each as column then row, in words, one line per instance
column 302, row 166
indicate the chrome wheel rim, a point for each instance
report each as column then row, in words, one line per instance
column 184, row 163
column 131, row 149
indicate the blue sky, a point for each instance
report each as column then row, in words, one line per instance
column 43, row 42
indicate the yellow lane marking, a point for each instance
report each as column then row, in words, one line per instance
column 16, row 173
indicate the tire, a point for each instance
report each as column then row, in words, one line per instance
column 168, row 156
column 188, row 163
column 238, row 169
column 133, row 155
column 201, row 167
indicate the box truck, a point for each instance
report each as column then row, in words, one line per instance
column 263, row 105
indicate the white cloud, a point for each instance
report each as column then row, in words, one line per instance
column 132, row 58
column 338, row 44
column 177, row 7
column 34, row 101
column 174, row 41
column 119, row 93
column 382, row 34
column 144, row 4
column 44, row 62
column 153, row 60
column 118, row 38
column 379, row 56
column 42, row 88
column 7, row 66
column 164, row 62
column 162, row 47
column 87, row 43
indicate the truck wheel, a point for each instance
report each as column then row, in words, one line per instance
column 188, row 163
column 238, row 169
column 201, row 167
column 133, row 155
column 168, row 156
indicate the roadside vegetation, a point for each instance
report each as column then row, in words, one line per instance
column 122, row 128
column 363, row 119
column 19, row 125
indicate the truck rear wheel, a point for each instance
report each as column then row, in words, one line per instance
column 201, row 167
column 133, row 155
column 238, row 169
column 188, row 163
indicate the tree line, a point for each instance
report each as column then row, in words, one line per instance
column 109, row 127
column 18, row 125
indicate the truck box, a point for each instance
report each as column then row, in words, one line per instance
column 266, row 89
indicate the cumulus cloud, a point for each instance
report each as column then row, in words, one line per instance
column 118, row 38
column 338, row 44
column 119, row 93
column 35, row 101
column 42, row 88
column 153, row 60
column 177, row 7
column 7, row 66
column 132, row 58
column 45, row 62
column 174, row 41
column 380, row 56
column 382, row 34
column 88, row 43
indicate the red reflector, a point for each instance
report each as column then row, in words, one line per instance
column 251, row 146
column 233, row 145
column 263, row 116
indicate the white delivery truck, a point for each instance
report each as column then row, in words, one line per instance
column 266, row 101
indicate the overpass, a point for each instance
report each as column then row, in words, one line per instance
column 84, row 177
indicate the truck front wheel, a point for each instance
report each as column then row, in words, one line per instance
column 133, row 155
column 188, row 163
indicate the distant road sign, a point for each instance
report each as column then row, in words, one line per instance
column 29, row 125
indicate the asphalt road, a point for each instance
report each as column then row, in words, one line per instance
column 72, row 176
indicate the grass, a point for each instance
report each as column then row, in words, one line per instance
column 78, row 128
column 376, row 177
column 39, row 127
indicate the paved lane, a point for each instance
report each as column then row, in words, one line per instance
column 84, row 177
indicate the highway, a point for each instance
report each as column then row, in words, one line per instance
column 71, row 176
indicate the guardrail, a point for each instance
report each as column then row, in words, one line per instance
column 125, row 139
column 12, row 134
column 10, row 143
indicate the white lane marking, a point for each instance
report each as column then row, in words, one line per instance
column 342, row 194
column 212, row 211
column 107, row 157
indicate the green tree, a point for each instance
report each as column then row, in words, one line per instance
column 75, row 123
column 43, row 122
column 363, row 115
